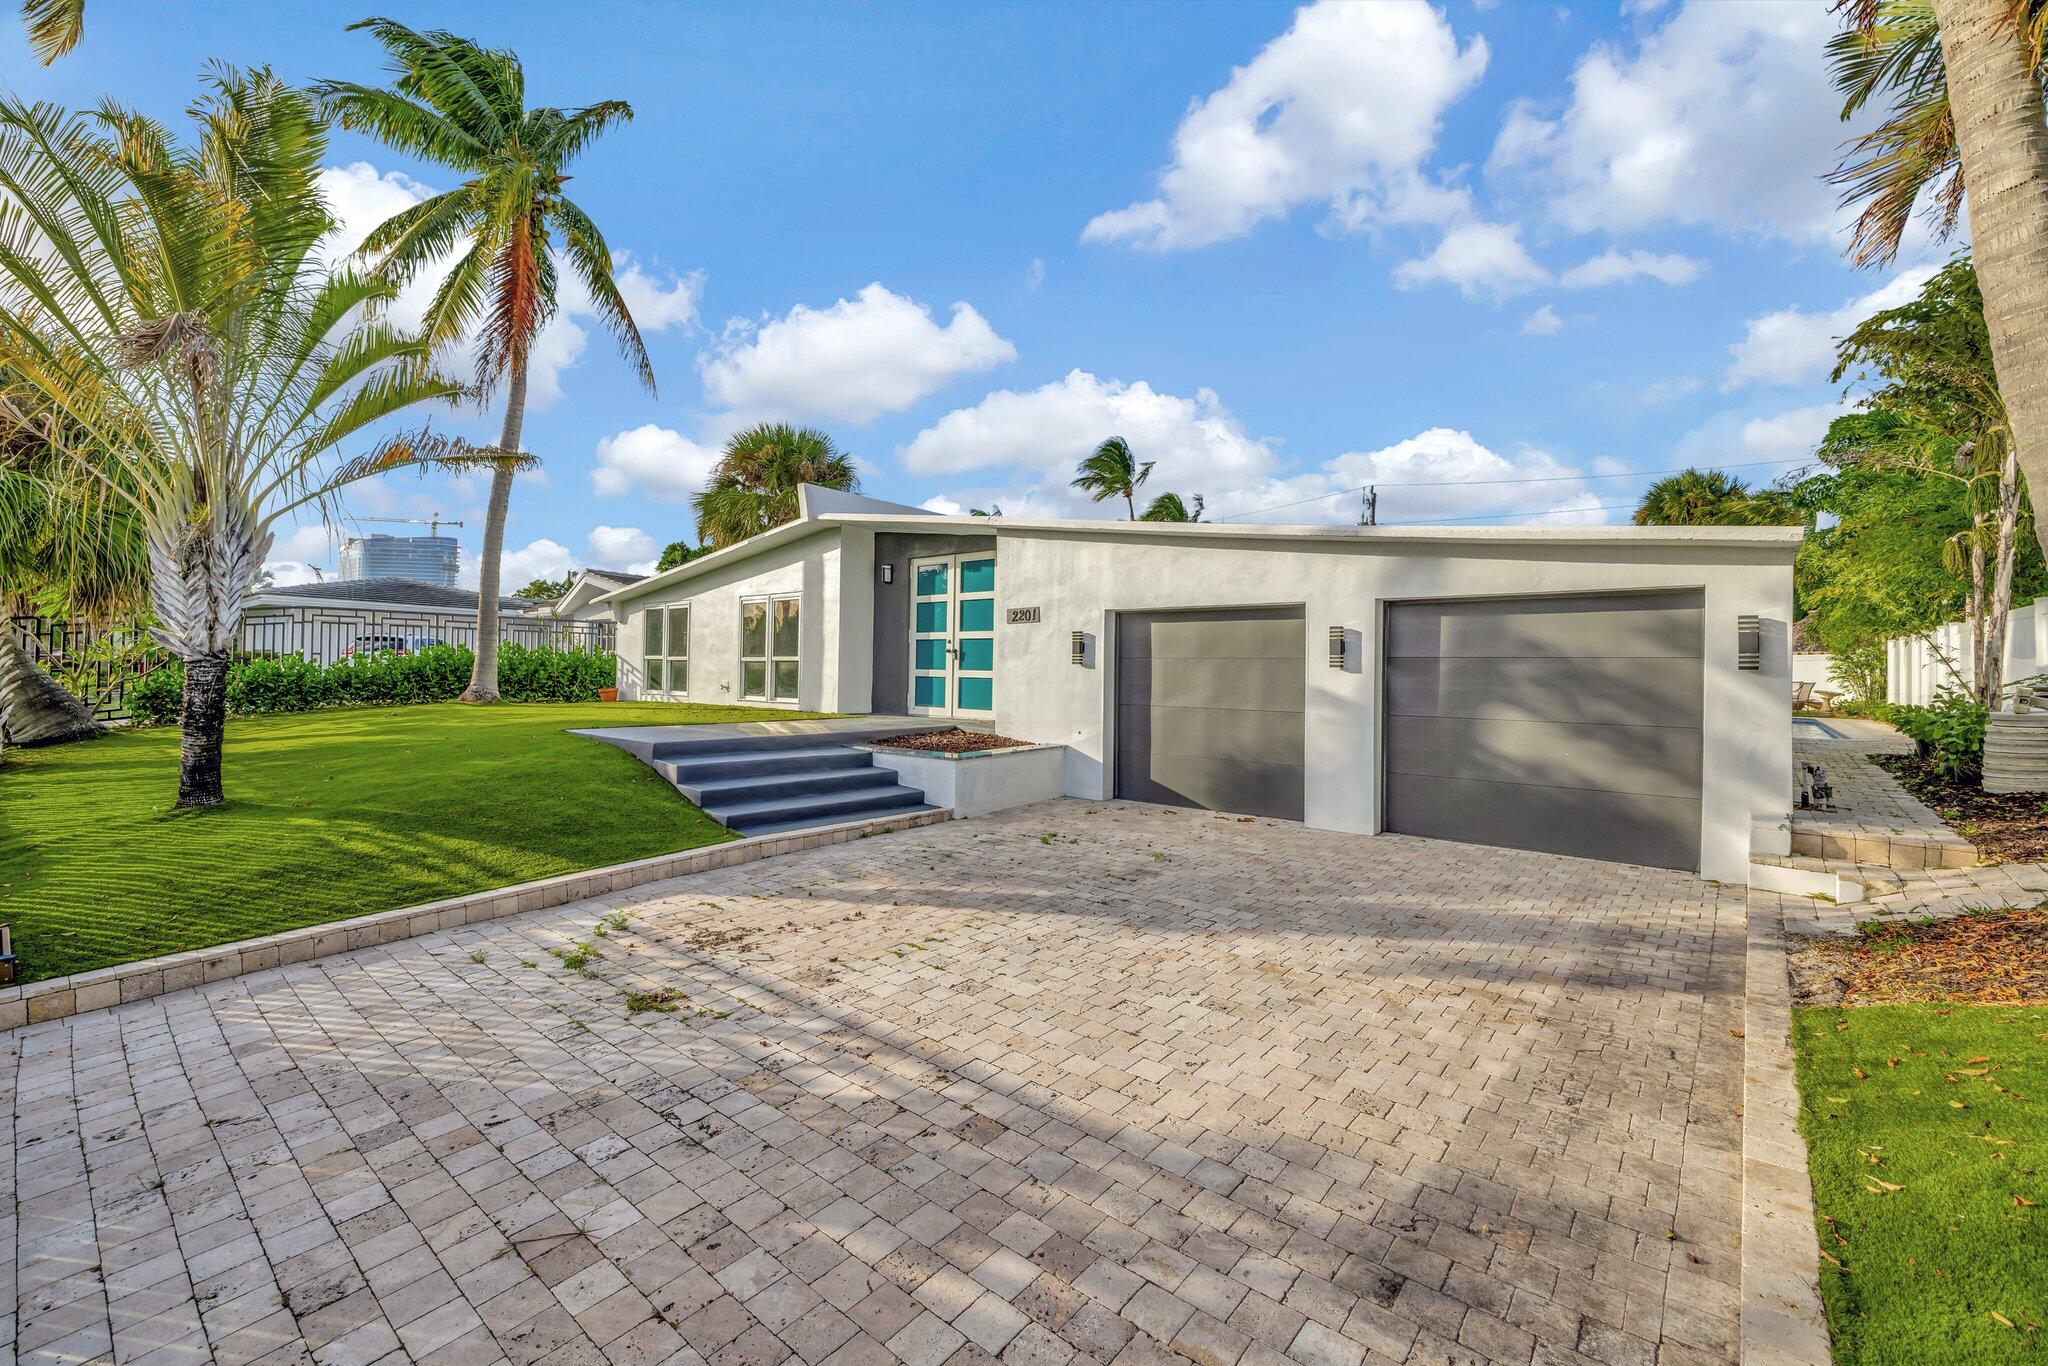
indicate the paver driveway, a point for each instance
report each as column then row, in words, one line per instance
column 1081, row 1080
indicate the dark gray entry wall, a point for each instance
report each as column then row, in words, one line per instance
column 892, row 608
column 1569, row 725
column 1209, row 709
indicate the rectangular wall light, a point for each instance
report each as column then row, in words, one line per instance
column 1080, row 647
column 1749, row 642
column 1336, row 647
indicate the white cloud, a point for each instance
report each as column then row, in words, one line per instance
column 876, row 353
column 537, row 559
column 658, row 461
column 1024, row 446
column 626, row 548
column 290, row 573
column 1034, row 275
column 944, row 506
column 1660, row 392
column 361, row 197
column 1792, row 347
column 1341, row 110
column 1544, row 322
column 1722, row 115
column 1619, row 267
column 1481, row 259
column 1790, row 435
column 1196, row 441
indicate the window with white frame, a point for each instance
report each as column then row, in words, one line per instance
column 666, row 652
column 769, row 635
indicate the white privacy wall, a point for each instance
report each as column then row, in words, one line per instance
column 1919, row 667
column 836, row 649
column 1079, row 581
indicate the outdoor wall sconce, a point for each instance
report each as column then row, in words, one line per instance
column 888, row 572
column 1336, row 647
column 1080, row 642
column 1749, row 642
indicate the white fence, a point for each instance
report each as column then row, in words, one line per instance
column 1917, row 668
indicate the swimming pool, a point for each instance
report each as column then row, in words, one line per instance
column 1806, row 725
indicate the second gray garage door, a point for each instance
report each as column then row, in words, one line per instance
column 1569, row 725
column 1209, row 709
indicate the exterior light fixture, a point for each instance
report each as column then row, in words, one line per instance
column 1749, row 642
column 1336, row 647
column 1080, row 647
column 888, row 572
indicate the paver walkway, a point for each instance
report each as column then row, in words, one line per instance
column 1078, row 1081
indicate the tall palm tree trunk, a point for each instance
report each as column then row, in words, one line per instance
column 483, row 677
column 2001, row 576
column 2002, row 132
column 1131, row 501
column 203, row 719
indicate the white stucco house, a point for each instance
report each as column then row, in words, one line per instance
column 1602, row 691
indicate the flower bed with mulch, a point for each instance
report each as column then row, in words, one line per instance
column 2006, row 827
column 955, row 741
column 1990, row 958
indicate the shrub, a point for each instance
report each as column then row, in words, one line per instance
column 264, row 685
column 1953, row 731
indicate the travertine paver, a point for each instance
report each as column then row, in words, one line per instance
column 1077, row 1081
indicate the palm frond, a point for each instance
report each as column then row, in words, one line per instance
column 54, row 26
column 591, row 259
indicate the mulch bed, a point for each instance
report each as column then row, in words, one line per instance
column 2008, row 827
column 1990, row 958
column 955, row 741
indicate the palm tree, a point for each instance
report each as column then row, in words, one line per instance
column 1168, row 507
column 1711, row 498
column 754, row 485
column 54, row 26
column 172, row 304
column 1113, row 472
column 464, row 107
column 1964, row 78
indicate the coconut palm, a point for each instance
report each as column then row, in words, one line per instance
column 461, row 106
column 1964, row 81
column 169, row 302
column 1168, row 507
column 1113, row 472
column 1696, row 498
column 54, row 26
column 754, row 484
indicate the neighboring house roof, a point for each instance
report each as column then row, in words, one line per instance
column 915, row 520
column 379, row 593
column 589, row 585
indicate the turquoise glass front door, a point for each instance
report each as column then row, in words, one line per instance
column 953, row 635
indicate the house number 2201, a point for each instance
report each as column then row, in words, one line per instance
column 1021, row 616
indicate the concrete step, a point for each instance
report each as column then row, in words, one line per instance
column 823, row 808
column 813, row 822
column 728, row 745
column 717, row 768
column 727, row 792
column 1841, row 882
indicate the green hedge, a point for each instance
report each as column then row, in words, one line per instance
column 439, row 673
column 1952, row 729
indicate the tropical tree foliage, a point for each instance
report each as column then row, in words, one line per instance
column 169, row 329
column 1168, row 507
column 754, row 484
column 546, row 590
column 1114, row 472
column 460, row 106
column 1712, row 498
column 1964, row 82
column 677, row 553
column 1938, row 412
column 54, row 26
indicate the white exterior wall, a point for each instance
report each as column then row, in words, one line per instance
column 1081, row 582
column 1816, row 667
column 835, row 649
column 1918, row 667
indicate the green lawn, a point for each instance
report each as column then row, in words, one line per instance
column 1922, row 1162
column 330, row 814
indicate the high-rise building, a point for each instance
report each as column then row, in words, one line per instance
column 423, row 559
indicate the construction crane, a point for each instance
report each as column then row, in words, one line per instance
column 433, row 524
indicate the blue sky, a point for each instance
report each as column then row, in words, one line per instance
column 1283, row 251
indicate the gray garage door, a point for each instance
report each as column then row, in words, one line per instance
column 1209, row 710
column 1570, row 725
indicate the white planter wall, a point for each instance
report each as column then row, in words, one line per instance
column 975, row 785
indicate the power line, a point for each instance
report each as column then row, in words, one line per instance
column 1489, row 483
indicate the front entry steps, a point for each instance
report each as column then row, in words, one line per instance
column 772, row 778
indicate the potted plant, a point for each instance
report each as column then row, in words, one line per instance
column 607, row 694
